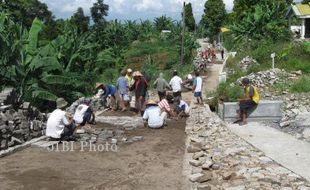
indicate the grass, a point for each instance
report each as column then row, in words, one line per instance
column 162, row 52
column 291, row 56
column 156, row 56
column 296, row 64
column 151, row 57
column 302, row 85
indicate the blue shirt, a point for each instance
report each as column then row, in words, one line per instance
column 109, row 90
column 122, row 85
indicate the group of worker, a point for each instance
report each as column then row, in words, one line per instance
column 121, row 94
column 154, row 113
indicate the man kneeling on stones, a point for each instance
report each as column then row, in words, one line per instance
column 58, row 126
column 84, row 113
column 165, row 106
column 153, row 117
column 249, row 101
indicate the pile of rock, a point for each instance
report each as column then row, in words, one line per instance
column 297, row 123
column 8, row 97
column 198, row 61
column 96, row 103
column 217, row 159
column 19, row 126
column 264, row 79
column 246, row 62
column 297, row 106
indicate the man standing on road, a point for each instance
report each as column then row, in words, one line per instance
column 161, row 85
column 197, row 88
column 130, row 82
column 122, row 87
column 140, row 87
column 176, row 84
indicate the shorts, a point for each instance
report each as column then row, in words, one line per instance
column 124, row 97
column 177, row 94
column 197, row 94
column 247, row 106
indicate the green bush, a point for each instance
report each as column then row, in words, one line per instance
column 258, row 67
column 295, row 64
column 228, row 93
column 150, row 69
column 302, row 85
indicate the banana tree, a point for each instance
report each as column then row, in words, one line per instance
column 265, row 22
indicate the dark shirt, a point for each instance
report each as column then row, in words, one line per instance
column 140, row 87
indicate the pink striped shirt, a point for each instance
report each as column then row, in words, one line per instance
column 164, row 105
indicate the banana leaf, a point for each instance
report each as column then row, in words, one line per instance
column 44, row 95
column 36, row 27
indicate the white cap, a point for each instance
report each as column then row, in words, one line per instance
column 129, row 70
column 189, row 76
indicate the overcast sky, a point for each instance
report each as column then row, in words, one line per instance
column 131, row 9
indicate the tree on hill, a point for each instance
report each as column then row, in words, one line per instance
column 213, row 18
column 80, row 20
column 305, row 1
column 189, row 18
column 267, row 21
column 242, row 7
column 163, row 23
column 99, row 11
column 24, row 11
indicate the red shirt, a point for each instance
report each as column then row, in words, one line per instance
column 164, row 105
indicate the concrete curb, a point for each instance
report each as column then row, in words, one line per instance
column 20, row 147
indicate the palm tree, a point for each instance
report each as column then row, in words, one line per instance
column 163, row 23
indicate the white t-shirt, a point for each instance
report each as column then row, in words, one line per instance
column 175, row 83
column 79, row 113
column 99, row 93
column 56, row 123
column 153, row 115
column 182, row 103
column 198, row 84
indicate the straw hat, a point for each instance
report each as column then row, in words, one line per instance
column 61, row 103
column 151, row 102
column 137, row 74
column 98, row 85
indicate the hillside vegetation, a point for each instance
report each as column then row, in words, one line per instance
column 44, row 58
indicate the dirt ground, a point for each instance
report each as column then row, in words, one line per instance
column 151, row 164
column 119, row 113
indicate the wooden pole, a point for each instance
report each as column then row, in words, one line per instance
column 183, row 33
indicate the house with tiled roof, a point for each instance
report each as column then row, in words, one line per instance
column 301, row 11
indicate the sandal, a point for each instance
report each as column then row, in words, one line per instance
column 237, row 121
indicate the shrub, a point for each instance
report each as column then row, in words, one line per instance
column 229, row 93
column 302, row 85
column 295, row 64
